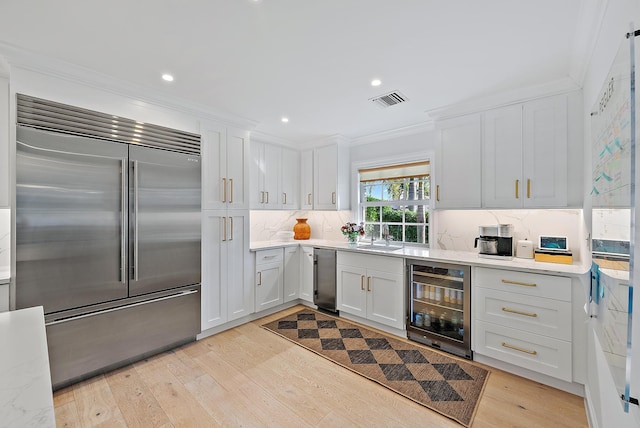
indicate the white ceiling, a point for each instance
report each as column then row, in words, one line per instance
column 309, row 60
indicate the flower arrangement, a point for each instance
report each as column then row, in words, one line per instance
column 352, row 231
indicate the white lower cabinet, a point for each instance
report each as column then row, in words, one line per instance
column 371, row 287
column 269, row 279
column 306, row 274
column 227, row 291
column 291, row 273
column 523, row 319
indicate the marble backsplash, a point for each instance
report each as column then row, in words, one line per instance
column 452, row 229
column 5, row 239
column 457, row 229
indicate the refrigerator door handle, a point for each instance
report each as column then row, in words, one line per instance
column 315, row 274
column 123, row 219
column 117, row 308
column 135, row 215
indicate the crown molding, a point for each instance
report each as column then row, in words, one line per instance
column 13, row 57
column 390, row 134
column 272, row 139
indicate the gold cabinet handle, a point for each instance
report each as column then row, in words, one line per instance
column 267, row 197
column 528, row 188
column 525, row 284
column 231, row 228
column 262, row 197
column 259, row 278
column 284, row 198
column 362, row 282
column 515, row 348
column 437, row 193
column 308, row 198
column 224, row 226
column 513, row 311
column 224, row 190
column 231, row 186
column 368, row 283
column 333, row 198
column 517, row 189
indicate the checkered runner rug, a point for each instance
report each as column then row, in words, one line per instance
column 448, row 385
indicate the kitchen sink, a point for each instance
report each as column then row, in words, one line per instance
column 379, row 247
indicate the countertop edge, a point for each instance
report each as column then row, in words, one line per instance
column 446, row 256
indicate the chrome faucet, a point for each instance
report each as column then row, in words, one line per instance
column 385, row 233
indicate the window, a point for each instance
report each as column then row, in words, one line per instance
column 397, row 196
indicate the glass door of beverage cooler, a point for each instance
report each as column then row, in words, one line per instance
column 439, row 306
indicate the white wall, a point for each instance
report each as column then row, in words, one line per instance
column 605, row 406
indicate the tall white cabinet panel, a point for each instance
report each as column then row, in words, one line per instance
column 227, row 291
column 291, row 273
column 239, row 288
column 502, row 158
column 4, row 142
column 384, row 298
column 458, row 171
column 265, row 176
column 544, row 134
column 225, row 160
column 306, row 180
column 306, row 274
column 331, row 177
column 352, row 296
column 289, row 180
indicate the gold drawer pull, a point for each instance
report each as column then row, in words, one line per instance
column 517, row 187
column 526, row 284
column 515, row 348
column 513, row 311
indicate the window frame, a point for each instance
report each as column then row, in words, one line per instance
column 357, row 208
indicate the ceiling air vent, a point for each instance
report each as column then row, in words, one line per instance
column 390, row 99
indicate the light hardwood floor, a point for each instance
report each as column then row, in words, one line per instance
column 251, row 377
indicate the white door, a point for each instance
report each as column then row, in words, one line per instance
column 291, row 273
column 237, row 169
column 306, row 280
column 325, row 177
column 351, row 294
column 256, row 183
column 269, row 284
column 385, row 298
column 502, row 158
column 545, row 152
column 289, row 188
column 306, row 181
column 214, row 271
column 458, row 172
column 271, row 175
column 214, row 166
column 240, row 291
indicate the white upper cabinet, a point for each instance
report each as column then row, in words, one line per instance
column 544, row 137
column 289, row 184
column 525, row 155
column 502, row 158
column 265, row 174
column 225, row 167
column 4, row 142
column 306, row 179
column 331, row 177
column 458, row 167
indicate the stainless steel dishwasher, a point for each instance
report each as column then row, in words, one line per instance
column 324, row 279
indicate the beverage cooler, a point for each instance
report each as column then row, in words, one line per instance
column 439, row 306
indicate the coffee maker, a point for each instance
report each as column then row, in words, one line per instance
column 495, row 241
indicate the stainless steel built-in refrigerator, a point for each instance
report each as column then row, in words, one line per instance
column 107, row 236
column 324, row 279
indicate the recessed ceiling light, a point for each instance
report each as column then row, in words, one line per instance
column 167, row 77
column 285, row 119
column 376, row 82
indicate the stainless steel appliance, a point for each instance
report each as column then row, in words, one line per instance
column 440, row 306
column 324, row 279
column 107, row 235
column 495, row 241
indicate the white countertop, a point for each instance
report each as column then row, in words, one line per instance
column 447, row 256
column 26, row 398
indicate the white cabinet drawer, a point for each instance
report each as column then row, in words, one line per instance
column 531, row 284
column 538, row 315
column 269, row 256
column 531, row 351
